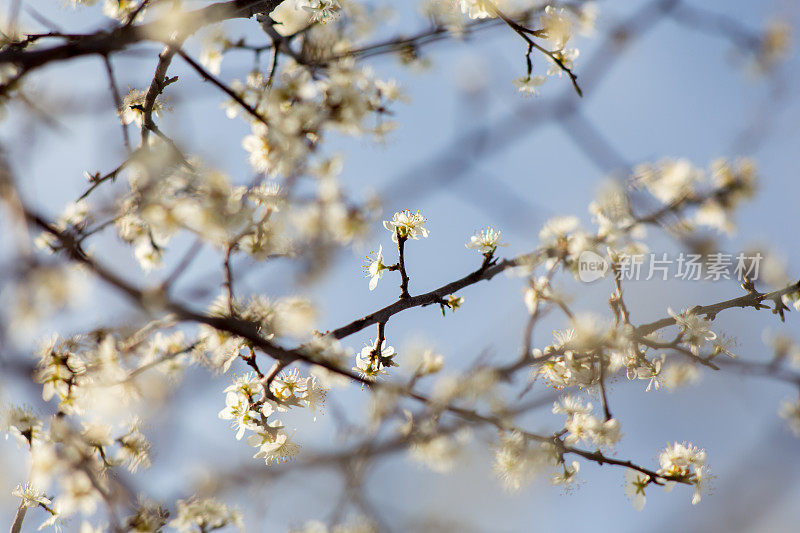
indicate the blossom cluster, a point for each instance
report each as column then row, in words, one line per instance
column 76, row 460
column 249, row 404
column 583, row 426
column 298, row 109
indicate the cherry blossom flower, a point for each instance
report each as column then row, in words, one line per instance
column 277, row 450
column 486, row 241
column 477, row 9
column 567, row 476
column 370, row 362
column 238, row 411
column 635, row 483
column 374, row 268
column 529, row 85
column 406, row 225
column 558, row 25
column 30, row 495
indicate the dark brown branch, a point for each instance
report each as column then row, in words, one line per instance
column 224, row 88
column 602, row 384
column 98, row 180
column 157, row 86
column 450, row 165
column 751, row 299
column 112, row 82
column 429, row 298
column 121, row 37
column 401, row 242
column 526, row 34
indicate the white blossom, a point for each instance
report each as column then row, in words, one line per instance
column 571, row 406
column 406, row 225
column 132, row 110
column 204, row 514
column 370, row 362
column 30, row 496
column 566, row 475
column 120, row 9
column 567, row 58
column 669, row 180
column 374, row 268
column 686, row 462
column 529, row 85
column 275, row 449
column 517, row 461
column 635, row 483
column 238, row 411
column 477, row 9
column 323, row 11
column 696, row 330
column 440, row 452
column 558, row 25
column 486, row 241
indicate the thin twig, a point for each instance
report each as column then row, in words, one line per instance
column 224, row 88
column 401, row 242
column 112, row 82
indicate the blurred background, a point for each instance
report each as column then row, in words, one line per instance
column 470, row 152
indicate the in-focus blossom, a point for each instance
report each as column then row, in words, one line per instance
column 238, row 411
column 687, row 463
column 30, row 496
column 649, row 370
column 679, row 459
column 323, row 11
column 486, row 241
column 406, row 225
column 372, row 361
column 696, row 331
column 277, row 450
column 374, row 268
